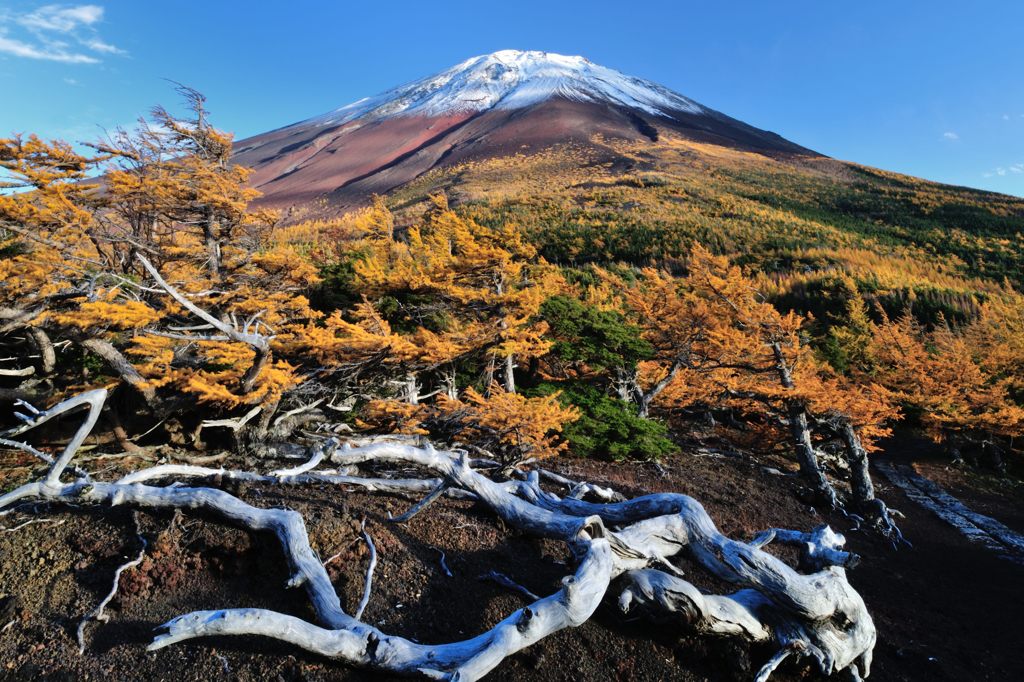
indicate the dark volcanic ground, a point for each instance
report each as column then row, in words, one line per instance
column 945, row 610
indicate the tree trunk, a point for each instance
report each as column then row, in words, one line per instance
column 643, row 410
column 451, row 389
column 805, row 454
column 510, row 375
column 801, row 434
column 44, row 347
column 488, row 374
column 509, row 362
column 644, row 400
column 955, row 455
column 995, row 456
column 412, row 389
column 862, row 488
column 212, row 245
column 117, row 427
column 124, row 369
column 857, row 457
column 626, row 384
column 253, row 373
column 23, row 392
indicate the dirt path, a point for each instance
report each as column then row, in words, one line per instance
column 976, row 527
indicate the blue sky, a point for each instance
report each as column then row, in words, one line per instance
column 934, row 89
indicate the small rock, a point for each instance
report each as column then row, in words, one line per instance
column 8, row 607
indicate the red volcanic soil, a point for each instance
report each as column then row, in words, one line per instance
column 344, row 164
column 296, row 166
column 945, row 610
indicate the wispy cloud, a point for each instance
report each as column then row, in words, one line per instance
column 61, row 18
column 57, row 33
column 97, row 45
column 1006, row 117
column 18, row 48
column 950, row 135
column 1003, row 171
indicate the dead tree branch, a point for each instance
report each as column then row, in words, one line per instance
column 816, row 615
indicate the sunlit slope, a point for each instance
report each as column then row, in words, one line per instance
column 790, row 219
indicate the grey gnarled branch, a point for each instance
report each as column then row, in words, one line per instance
column 620, row 546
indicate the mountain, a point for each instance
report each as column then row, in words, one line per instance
column 508, row 102
column 597, row 166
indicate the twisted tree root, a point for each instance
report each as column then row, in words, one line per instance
column 616, row 544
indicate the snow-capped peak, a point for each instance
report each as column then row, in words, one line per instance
column 510, row 79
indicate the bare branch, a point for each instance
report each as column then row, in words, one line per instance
column 368, row 582
column 257, row 341
column 98, row 613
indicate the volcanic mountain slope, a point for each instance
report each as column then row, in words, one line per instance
column 598, row 166
column 490, row 106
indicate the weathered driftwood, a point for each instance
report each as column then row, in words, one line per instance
column 620, row 546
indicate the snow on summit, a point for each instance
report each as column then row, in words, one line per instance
column 511, row 79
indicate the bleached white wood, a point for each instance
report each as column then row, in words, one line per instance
column 321, row 451
column 94, row 400
column 368, row 581
column 816, row 615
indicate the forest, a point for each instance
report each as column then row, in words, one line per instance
column 454, row 334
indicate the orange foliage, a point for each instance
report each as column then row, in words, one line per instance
column 508, row 425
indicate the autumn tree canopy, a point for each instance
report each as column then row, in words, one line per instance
column 142, row 265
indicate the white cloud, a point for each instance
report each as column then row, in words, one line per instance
column 1003, row 171
column 50, row 52
column 60, row 18
column 950, row 135
column 1006, row 117
column 58, row 33
column 97, row 45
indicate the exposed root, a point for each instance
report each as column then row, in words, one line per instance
column 775, row 661
column 423, row 504
column 98, row 613
column 319, row 453
column 444, row 564
column 368, row 582
column 509, row 584
column 820, row 548
column 815, row 614
column 975, row 527
column 30, row 522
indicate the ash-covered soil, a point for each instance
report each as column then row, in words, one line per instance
column 944, row 609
